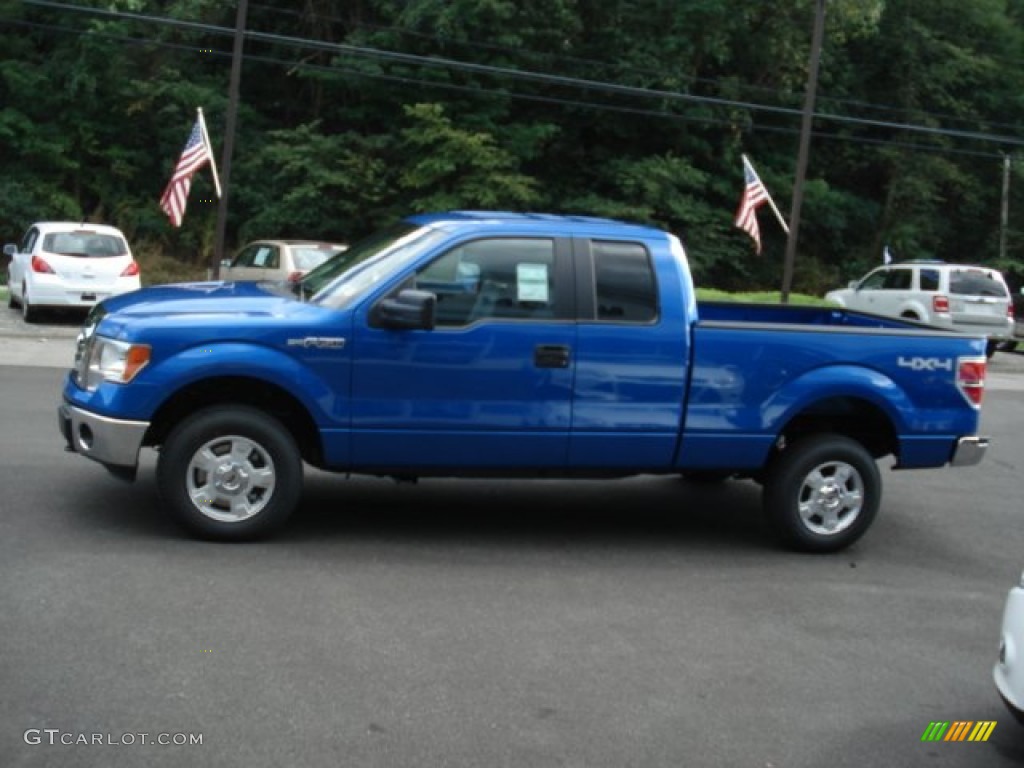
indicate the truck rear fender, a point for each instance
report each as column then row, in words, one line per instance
column 247, row 374
column 858, row 402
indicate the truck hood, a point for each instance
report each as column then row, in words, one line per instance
column 209, row 311
column 209, row 298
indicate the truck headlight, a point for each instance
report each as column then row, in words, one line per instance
column 110, row 360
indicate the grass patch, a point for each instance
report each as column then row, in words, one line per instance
column 761, row 297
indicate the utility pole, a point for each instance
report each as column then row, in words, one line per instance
column 805, row 142
column 1004, row 217
column 229, row 136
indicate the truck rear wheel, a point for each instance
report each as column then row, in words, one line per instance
column 822, row 493
column 230, row 473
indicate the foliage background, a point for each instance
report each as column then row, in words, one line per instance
column 354, row 113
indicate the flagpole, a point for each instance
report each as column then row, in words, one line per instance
column 206, row 138
column 782, row 221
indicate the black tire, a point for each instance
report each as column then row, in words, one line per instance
column 990, row 347
column 230, row 473
column 1007, row 346
column 28, row 313
column 822, row 493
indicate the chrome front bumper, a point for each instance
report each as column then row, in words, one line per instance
column 969, row 450
column 112, row 442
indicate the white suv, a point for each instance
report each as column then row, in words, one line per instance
column 68, row 264
column 961, row 297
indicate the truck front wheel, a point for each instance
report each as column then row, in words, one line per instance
column 822, row 493
column 230, row 473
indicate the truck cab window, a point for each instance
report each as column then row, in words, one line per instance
column 498, row 278
column 624, row 283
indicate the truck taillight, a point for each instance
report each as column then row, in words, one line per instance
column 131, row 270
column 940, row 304
column 40, row 265
column 970, row 379
column 1009, row 310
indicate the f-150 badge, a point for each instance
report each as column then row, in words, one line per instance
column 319, row 342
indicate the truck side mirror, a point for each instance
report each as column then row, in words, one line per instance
column 409, row 310
column 10, row 249
column 852, row 285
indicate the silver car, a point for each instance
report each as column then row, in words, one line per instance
column 279, row 260
column 962, row 297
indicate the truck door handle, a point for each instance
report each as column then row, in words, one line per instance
column 551, row 356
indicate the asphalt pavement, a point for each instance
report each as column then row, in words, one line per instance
column 641, row 622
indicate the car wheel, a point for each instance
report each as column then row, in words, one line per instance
column 822, row 493
column 230, row 473
column 1008, row 346
column 28, row 313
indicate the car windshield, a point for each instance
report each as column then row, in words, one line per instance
column 346, row 275
column 84, row 243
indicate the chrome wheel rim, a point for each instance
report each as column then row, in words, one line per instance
column 231, row 479
column 831, row 498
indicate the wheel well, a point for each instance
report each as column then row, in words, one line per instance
column 240, row 390
column 910, row 315
column 857, row 419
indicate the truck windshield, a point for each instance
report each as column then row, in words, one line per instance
column 347, row 275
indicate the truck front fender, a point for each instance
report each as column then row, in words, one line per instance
column 163, row 379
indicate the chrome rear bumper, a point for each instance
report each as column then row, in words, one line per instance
column 969, row 450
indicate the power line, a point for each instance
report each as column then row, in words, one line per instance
column 490, row 92
column 530, row 76
column 717, row 83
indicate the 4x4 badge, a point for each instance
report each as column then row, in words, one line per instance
column 925, row 363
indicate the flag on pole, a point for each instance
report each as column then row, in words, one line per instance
column 196, row 154
column 754, row 196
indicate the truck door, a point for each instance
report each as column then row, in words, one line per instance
column 491, row 385
column 631, row 356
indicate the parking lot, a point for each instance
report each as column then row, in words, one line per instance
column 642, row 622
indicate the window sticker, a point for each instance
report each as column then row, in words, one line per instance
column 532, row 282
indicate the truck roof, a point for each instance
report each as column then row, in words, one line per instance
column 538, row 222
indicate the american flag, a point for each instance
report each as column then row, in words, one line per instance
column 754, row 196
column 195, row 155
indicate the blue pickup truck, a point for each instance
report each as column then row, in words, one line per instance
column 496, row 344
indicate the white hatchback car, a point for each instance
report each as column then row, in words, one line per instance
column 1009, row 669
column 61, row 264
column 962, row 297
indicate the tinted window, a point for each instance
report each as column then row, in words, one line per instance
column 898, row 280
column 975, row 283
column 29, row 241
column 929, row 279
column 874, row 281
column 624, row 283
column 510, row 278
